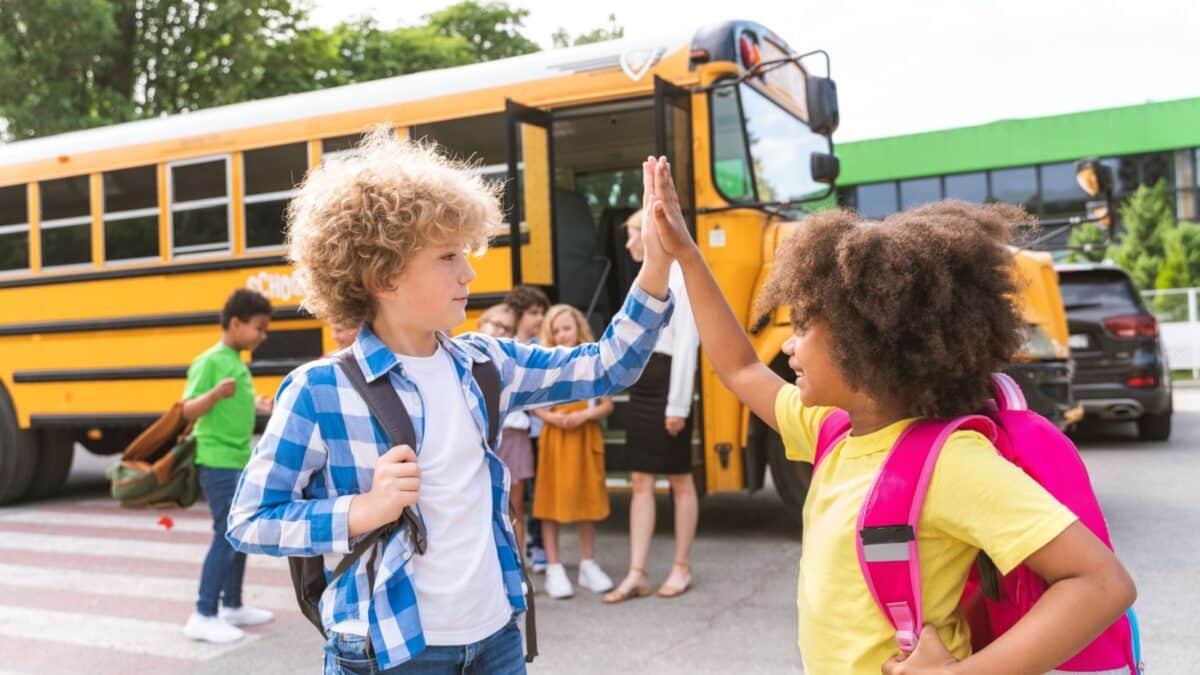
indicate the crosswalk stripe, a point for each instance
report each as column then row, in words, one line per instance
column 140, row 520
column 98, row 546
column 154, row 588
column 126, row 635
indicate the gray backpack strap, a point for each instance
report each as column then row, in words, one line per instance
column 488, row 379
column 387, row 409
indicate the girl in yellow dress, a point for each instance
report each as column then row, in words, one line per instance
column 570, row 476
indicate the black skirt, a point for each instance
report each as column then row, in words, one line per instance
column 648, row 447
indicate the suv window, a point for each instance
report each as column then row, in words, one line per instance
column 1100, row 288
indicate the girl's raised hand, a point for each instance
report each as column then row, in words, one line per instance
column 670, row 230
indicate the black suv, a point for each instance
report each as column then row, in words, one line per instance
column 1121, row 372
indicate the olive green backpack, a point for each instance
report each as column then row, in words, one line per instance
column 158, row 469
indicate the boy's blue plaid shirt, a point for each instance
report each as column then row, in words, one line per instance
column 320, row 448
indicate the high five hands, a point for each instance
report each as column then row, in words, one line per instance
column 664, row 230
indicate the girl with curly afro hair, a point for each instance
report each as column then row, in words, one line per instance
column 897, row 320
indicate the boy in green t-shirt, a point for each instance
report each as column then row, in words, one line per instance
column 219, row 397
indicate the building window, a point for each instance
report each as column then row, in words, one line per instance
column 969, row 187
column 14, row 229
column 200, row 206
column 1016, row 186
column 66, row 223
column 270, row 175
column 876, row 200
column 1061, row 196
column 917, row 191
column 131, row 214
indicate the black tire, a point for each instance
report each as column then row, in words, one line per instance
column 56, row 452
column 16, row 453
column 1154, row 427
column 791, row 478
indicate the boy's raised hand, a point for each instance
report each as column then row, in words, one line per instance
column 669, row 229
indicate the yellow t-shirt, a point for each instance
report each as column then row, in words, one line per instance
column 976, row 500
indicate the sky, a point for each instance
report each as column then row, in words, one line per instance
column 918, row 65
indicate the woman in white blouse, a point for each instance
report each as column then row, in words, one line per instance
column 659, row 440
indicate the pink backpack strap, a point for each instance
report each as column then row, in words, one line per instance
column 834, row 428
column 887, row 522
column 1008, row 393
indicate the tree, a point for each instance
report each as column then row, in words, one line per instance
column 357, row 51
column 493, row 29
column 1180, row 268
column 72, row 64
column 561, row 38
column 1146, row 217
column 1087, row 243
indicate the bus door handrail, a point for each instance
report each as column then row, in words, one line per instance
column 599, row 284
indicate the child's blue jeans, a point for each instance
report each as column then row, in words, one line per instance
column 221, row 578
column 498, row 654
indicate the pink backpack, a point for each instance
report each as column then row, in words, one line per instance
column 887, row 525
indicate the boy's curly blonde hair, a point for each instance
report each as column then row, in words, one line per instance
column 356, row 221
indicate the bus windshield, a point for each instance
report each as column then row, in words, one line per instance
column 761, row 151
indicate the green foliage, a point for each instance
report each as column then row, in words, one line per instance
column 1146, row 218
column 493, row 29
column 74, row 64
column 1088, row 244
column 561, row 38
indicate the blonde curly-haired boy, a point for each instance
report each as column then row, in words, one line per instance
column 382, row 239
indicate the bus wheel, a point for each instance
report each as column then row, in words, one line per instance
column 791, row 478
column 17, row 459
column 56, row 451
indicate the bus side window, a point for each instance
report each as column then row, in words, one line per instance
column 14, row 229
column 731, row 163
column 131, row 214
column 200, row 218
column 270, row 176
column 66, row 222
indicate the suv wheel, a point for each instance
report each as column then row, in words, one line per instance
column 1154, row 427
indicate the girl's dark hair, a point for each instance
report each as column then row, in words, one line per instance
column 921, row 305
column 244, row 303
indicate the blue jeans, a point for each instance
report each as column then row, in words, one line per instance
column 221, row 577
column 498, row 654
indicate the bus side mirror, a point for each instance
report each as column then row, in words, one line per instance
column 825, row 167
column 822, row 105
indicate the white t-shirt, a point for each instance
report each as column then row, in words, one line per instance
column 458, row 582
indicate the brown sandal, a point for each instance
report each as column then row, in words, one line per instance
column 666, row 591
column 640, row 591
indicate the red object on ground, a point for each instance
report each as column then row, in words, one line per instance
column 166, row 522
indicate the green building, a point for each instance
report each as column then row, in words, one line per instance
column 1028, row 161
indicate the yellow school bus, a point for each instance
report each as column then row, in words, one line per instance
column 118, row 245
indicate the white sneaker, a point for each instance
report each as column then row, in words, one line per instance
column 244, row 615
column 593, row 578
column 558, row 586
column 211, row 629
column 537, row 559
